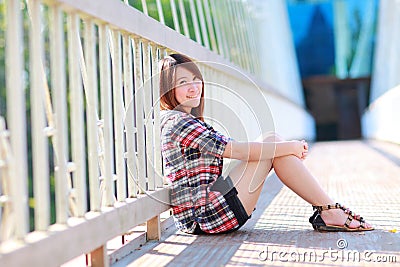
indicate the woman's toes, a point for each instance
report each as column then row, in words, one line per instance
column 355, row 224
column 368, row 225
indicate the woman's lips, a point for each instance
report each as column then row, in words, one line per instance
column 192, row 97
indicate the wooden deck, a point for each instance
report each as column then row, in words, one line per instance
column 362, row 175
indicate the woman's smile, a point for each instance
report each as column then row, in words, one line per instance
column 193, row 96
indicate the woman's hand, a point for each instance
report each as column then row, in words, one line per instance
column 300, row 149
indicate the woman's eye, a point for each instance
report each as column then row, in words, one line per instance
column 182, row 82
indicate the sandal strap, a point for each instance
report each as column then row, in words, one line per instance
column 358, row 218
column 353, row 215
column 348, row 221
column 328, row 207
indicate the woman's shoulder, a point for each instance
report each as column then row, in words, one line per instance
column 173, row 120
column 169, row 114
column 174, row 117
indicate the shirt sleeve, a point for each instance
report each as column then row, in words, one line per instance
column 192, row 133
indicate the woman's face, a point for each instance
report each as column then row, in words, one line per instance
column 188, row 89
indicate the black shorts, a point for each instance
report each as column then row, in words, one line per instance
column 225, row 187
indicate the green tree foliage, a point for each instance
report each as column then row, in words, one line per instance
column 2, row 60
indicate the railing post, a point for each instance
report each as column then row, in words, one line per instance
column 203, row 26
column 160, row 12
column 195, row 21
column 219, row 35
column 77, row 114
column 98, row 257
column 130, row 129
column 119, row 113
column 175, row 16
column 40, row 156
column 184, row 18
column 213, row 41
column 148, row 114
column 59, row 99
column 16, row 117
column 106, row 113
column 153, row 228
column 139, row 112
column 156, row 110
column 92, row 117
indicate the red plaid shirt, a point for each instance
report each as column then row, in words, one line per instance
column 192, row 152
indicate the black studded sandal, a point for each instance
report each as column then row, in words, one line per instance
column 318, row 223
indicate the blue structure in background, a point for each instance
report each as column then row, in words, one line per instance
column 328, row 33
column 316, row 48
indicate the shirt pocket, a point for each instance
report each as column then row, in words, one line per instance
column 192, row 153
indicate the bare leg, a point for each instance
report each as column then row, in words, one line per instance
column 292, row 172
column 250, row 176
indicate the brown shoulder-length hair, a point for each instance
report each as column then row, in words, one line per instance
column 168, row 67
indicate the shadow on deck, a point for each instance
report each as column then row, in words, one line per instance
column 359, row 174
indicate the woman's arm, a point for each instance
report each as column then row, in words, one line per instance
column 251, row 151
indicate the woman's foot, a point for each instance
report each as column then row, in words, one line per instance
column 338, row 217
column 335, row 217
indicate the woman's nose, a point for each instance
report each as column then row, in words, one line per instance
column 193, row 86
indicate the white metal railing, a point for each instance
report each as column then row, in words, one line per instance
column 226, row 27
column 93, row 125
